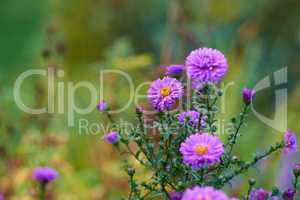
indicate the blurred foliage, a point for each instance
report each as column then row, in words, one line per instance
column 82, row 37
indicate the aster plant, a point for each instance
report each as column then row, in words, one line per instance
column 43, row 175
column 180, row 145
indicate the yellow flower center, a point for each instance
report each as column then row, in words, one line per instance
column 165, row 91
column 200, row 197
column 201, row 149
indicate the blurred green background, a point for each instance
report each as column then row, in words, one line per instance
column 139, row 37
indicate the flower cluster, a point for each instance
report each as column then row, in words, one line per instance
column 191, row 117
column 182, row 149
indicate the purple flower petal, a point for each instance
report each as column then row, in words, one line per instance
column 175, row 196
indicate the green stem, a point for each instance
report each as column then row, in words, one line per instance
column 235, row 135
column 109, row 116
column 199, row 122
column 134, row 155
column 134, row 193
column 249, row 191
column 164, row 190
column 252, row 163
column 209, row 109
column 295, row 182
column 43, row 190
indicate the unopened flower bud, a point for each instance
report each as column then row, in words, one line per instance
column 46, row 53
column 102, row 105
column 234, row 159
column 248, row 94
column 175, row 69
column 275, row 191
column 131, row 171
column 252, row 182
column 139, row 110
column 297, row 169
column 289, row 194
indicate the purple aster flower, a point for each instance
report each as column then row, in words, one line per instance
column 174, row 69
column 192, row 117
column 175, row 196
column 44, row 174
column 259, row 194
column 1, row 196
column 102, row 105
column 206, row 65
column 201, row 149
column 290, row 142
column 163, row 93
column 111, row 137
column 248, row 94
column 204, row 193
column 289, row 194
column 297, row 169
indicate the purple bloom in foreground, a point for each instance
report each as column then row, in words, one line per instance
column 204, row 193
column 259, row 194
column 102, row 105
column 289, row 194
column 206, row 65
column 111, row 137
column 175, row 196
column 201, row 149
column 297, row 169
column 192, row 117
column 248, row 94
column 44, row 174
column 290, row 142
column 1, row 196
column 163, row 93
column 174, row 69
